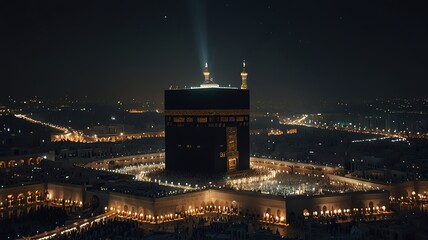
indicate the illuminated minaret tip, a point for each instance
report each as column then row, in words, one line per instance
column 244, row 75
column 206, row 74
column 208, row 82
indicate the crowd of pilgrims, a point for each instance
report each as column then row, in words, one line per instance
column 146, row 189
column 44, row 218
column 298, row 184
column 219, row 226
column 257, row 179
column 119, row 228
column 192, row 227
column 114, row 228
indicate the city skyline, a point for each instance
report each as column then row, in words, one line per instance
column 295, row 51
column 213, row 119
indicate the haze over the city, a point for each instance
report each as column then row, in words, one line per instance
column 213, row 119
column 296, row 51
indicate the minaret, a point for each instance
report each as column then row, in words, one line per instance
column 244, row 76
column 208, row 82
column 206, row 74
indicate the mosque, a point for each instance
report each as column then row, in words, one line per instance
column 207, row 131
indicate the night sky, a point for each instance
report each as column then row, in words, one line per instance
column 294, row 50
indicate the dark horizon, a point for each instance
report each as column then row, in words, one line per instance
column 295, row 51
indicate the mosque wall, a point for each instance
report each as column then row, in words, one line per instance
column 261, row 206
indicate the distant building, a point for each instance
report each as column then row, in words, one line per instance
column 25, row 160
column 207, row 128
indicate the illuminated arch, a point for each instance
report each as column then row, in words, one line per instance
column 20, row 198
column 37, row 196
column 30, row 197
column 133, row 212
column 141, row 210
column 305, row 212
column 10, row 200
column 38, row 160
column 234, row 204
column 22, row 162
column 30, row 161
column 324, row 209
column 2, row 164
column 11, row 163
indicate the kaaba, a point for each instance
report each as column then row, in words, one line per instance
column 207, row 129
